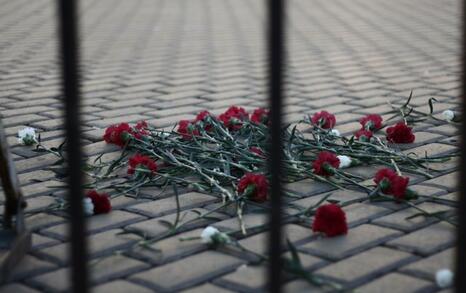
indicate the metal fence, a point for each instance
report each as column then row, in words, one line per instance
column 68, row 30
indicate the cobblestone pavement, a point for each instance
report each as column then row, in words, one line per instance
column 164, row 60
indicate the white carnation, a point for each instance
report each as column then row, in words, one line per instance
column 208, row 233
column 88, row 206
column 27, row 136
column 335, row 132
column 448, row 115
column 345, row 161
column 444, row 278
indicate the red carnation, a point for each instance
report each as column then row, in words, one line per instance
column 391, row 183
column 120, row 133
column 325, row 163
column 400, row 133
column 330, row 219
column 139, row 161
column 257, row 151
column 201, row 118
column 260, row 116
column 202, row 115
column 117, row 134
column 371, row 122
column 363, row 135
column 232, row 117
column 324, row 119
column 141, row 125
column 186, row 128
column 101, row 202
column 255, row 185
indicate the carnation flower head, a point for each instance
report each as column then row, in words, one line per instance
column 330, row 220
column 232, row 118
column 363, row 135
column 255, row 186
column 211, row 235
column 187, row 129
column 101, row 202
column 325, row 163
column 201, row 118
column 345, row 161
column 257, row 151
column 335, row 132
column 371, row 122
column 391, row 183
column 400, row 133
column 139, row 161
column 119, row 134
column 444, row 278
column 260, row 116
column 27, row 136
column 88, row 206
column 448, row 115
column 324, row 120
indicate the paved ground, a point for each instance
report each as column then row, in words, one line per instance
column 163, row 60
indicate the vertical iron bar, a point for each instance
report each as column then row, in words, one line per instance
column 69, row 48
column 276, row 52
column 460, row 272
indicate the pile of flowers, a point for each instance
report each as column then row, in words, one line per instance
column 226, row 155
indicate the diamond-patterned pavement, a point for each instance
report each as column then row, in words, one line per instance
column 165, row 60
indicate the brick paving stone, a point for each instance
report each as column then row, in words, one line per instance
column 403, row 284
column 100, row 244
column 302, row 286
column 171, row 248
column 427, row 240
column 360, row 238
column 98, row 223
column 399, row 219
column 103, row 270
column 257, row 243
column 168, row 205
column 206, row 288
column 17, row 287
column 366, row 265
column 40, row 241
column 30, row 266
column 120, row 287
column 156, row 226
column 188, row 271
column 427, row 267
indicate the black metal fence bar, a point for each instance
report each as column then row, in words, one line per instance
column 460, row 273
column 69, row 48
column 276, row 66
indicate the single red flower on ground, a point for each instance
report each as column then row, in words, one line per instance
column 324, row 119
column 101, row 202
column 363, row 135
column 400, row 133
column 330, row 220
column 186, row 128
column 232, row 117
column 325, row 163
column 257, row 151
column 139, row 161
column 117, row 134
column 260, row 116
column 391, row 183
column 255, row 186
column 371, row 122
